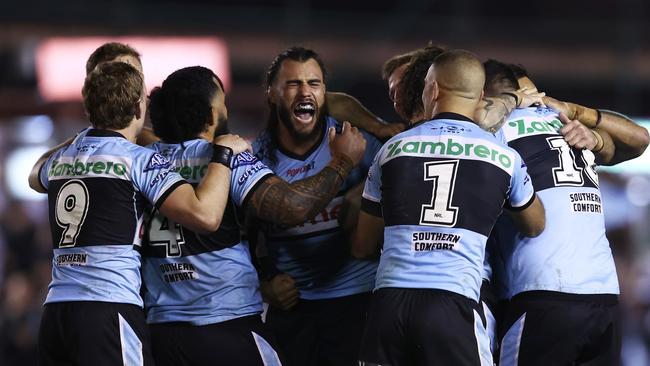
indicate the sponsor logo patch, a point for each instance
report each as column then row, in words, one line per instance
column 244, row 158
column 157, row 161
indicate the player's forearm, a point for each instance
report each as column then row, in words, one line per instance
column 492, row 113
column 291, row 204
column 367, row 237
column 630, row 140
column 605, row 150
column 34, row 174
column 211, row 197
column 344, row 107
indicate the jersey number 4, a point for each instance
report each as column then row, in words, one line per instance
column 164, row 232
column 71, row 210
column 440, row 212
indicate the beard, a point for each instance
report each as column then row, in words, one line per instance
column 222, row 126
column 284, row 115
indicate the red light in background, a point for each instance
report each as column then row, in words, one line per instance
column 61, row 61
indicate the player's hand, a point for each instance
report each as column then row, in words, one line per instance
column 280, row 292
column 527, row 97
column 388, row 130
column 559, row 106
column 236, row 143
column 576, row 134
column 350, row 142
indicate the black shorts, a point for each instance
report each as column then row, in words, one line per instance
column 242, row 341
column 492, row 313
column 320, row 332
column 424, row 327
column 93, row 333
column 553, row 328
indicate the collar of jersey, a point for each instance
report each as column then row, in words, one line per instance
column 95, row 132
column 452, row 115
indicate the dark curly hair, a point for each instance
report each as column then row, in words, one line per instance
column 413, row 80
column 181, row 108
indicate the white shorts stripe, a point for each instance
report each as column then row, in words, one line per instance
column 268, row 354
column 482, row 341
column 131, row 344
column 511, row 342
column 491, row 327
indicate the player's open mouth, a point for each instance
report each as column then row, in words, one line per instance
column 304, row 111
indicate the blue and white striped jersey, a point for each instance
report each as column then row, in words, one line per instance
column 316, row 253
column 572, row 255
column 97, row 190
column 440, row 187
column 202, row 279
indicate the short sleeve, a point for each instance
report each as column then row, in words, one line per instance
column 522, row 192
column 371, row 198
column 153, row 176
column 247, row 172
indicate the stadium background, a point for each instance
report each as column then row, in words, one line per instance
column 596, row 53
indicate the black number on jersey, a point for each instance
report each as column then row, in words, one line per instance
column 569, row 173
column 164, row 232
column 71, row 209
column 440, row 212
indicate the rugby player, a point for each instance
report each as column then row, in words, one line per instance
column 562, row 284
column 97, row 188
column 425, row 308
column 325, row 325
column 202, row 298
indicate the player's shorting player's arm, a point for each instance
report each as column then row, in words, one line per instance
column 344, row 107
column 277, row 201
column 530, row 220
column 492, row 112
column 34, row 174
column 629, row 139
column 201, row 209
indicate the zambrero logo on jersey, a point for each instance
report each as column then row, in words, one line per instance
column 426, row 241
column 78, row 168
column 157, row 161
column 469, row 148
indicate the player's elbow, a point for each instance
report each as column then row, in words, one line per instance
column 534, row 230
column 204, row 223
column 359, row 252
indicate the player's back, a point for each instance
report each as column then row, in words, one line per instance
column 195, row 278
column 572, row 255
column 97, row 194
column 443, row 185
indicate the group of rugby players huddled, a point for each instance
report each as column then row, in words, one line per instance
column 455, row 242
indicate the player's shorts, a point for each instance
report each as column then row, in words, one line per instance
column 553, row 328
column 492, row 314
column 93, row 333
column 243, row 341
column 320, row 332
column 424, row 327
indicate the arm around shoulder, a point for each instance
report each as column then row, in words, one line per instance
column 530, row 219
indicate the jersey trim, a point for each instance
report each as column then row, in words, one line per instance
column 371, row 208
column 605, row 299
column 96, row 132
column 251, row 190
column 166, row 194
column 522, row 207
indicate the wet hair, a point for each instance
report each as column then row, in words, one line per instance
column 519, row 70
column 499, row 77
column 412, row 83
column 108, row 52
column 181, row 108
column 299, row 54
column 111, row 94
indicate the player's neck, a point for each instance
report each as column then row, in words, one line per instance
column 296, row 146
column 131, row 132
column 465, row 107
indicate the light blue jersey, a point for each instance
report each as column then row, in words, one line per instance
column 440, row 187
column 316, row 254
column 572, row 255
column 202, row 279
column 97, row 189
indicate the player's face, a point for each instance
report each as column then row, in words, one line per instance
column 299, row 94
column 394, row 89
column 219, row 111
column 428, row 93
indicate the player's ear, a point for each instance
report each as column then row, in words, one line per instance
column 435, row 91
column 269, row 96
column 482, row 95
column 138, row 110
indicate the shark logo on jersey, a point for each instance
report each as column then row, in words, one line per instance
column 157, row 161
column 244, row 158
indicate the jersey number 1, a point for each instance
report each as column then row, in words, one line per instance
column 440, row 212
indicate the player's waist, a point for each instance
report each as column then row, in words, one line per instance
column 543, row 295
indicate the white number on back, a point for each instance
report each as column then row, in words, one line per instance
column 71, row 209
column 440, row 212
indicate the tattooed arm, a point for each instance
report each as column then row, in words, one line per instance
column 277, row 201
column 492, row 112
